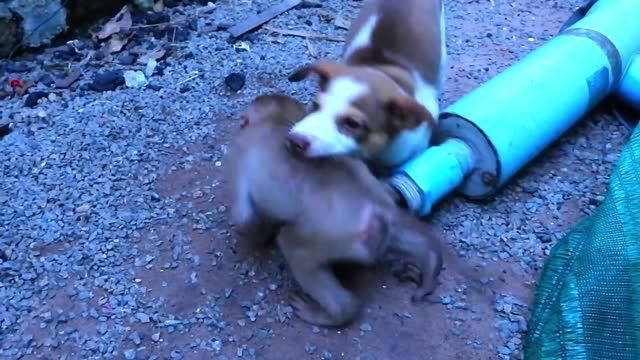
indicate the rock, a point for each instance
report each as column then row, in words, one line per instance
column 135, row 338
column 32, row 99
column 107, row 81
column 310, row 348
column 130, row 354
column 235, row 81
column 134, row 79
column 142, row 317
column 503, row 350
column 127, row 59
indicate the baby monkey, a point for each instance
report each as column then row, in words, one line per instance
column 322, row 211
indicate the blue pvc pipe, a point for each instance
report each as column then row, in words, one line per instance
column 451, row 161
column 509, row 120
column 630, row 85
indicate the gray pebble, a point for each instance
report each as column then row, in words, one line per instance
column 309, row 348
column 130, row 354
column 326, row 355
column 135, row 337
column 143, row 317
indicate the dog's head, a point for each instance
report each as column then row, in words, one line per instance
column 358, row 110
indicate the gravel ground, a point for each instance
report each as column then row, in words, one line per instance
column 113, row 216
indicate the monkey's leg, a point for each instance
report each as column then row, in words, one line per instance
column 335, row 305
column 406, row 239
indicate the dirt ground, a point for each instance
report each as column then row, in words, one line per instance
column 193, row 291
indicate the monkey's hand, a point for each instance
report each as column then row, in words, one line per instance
column 407, row 271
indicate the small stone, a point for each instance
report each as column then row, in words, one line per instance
column 142, row 317
column 326, row 355
column 32, row 99
column 154, row 87
column 101, row 328
column 107, row 81
column 235, row 81
column 503, row 350
column 134, row 79
column 82, row 208
column 130, row 354
column 155, row 337
column 84, row 295
column 366, row 327
column 228, row 292
column 176, row 355
column 446, row 299
column 135, row 337
column 127, row 59
column 310, row 348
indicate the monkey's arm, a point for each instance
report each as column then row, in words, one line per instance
column 328, row 302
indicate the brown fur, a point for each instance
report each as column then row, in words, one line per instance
column 324, row 211
column 405, row 40
column 406, row 35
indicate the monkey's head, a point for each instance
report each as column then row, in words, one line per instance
column 272, row 109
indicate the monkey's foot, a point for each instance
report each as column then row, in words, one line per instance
column 424, row 290
column 407, row 272
column 310, row 311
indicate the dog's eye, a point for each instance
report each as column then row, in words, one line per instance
column 351, row 124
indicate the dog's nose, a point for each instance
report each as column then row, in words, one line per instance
column 297, row 143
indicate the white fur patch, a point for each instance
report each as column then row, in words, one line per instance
column 320, row 127
column 443, row 50
column 404, row 146
column 427, row 95
column 363, row 37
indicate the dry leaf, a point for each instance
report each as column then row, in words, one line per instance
column 116, row 44
column 73, row 76
column 341, row 22
column 122, row 21
column 158, row 6
column 154, row 55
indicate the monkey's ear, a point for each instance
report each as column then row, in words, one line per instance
column 324, row 69
column 406, row 113
column 244, row 120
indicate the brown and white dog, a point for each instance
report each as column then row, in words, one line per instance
column 381, row 102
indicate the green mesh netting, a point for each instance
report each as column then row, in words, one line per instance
column 587, row 304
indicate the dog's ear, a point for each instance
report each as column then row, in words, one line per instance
column 406, row 113
column 324, row 69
